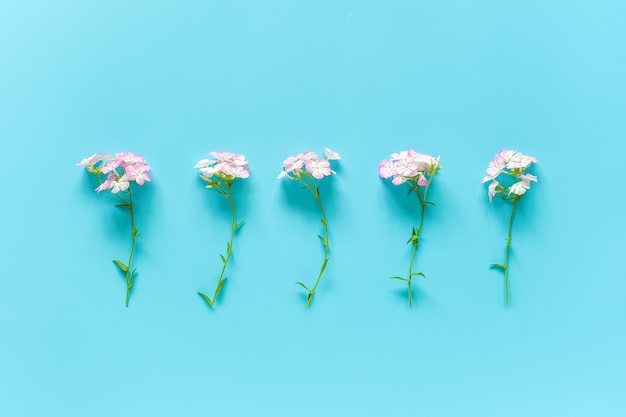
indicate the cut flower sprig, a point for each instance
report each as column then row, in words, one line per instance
column 219, row 174
column 509, row 179
column 308, row 168
column 118, row 173
column 417, row 170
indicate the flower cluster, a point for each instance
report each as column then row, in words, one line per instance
column 226, row 166
column 308, row 168
column 409, row 166
column 120, row 170
column 310, row 162
column 219, row 174
column 514, row 165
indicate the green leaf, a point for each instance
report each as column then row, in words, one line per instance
column 324, row 266
column 229, row 248
column 418, row 274
column 429, row 202
column 206, row 298
column 324, row 241
column 219, row 288
column 223, row 259
column 413, row 237
column 503, row 267
column 400, row 278
column 324, row 222
column 238, row 225
column 124, row 205
column 121, row 265
column 303, row 286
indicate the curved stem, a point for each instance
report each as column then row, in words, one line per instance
column 313, row 186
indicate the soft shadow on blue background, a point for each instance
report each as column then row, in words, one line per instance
column 174, row 81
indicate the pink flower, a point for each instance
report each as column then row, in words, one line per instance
column 129, row 158
column 110, row 166
column 293, row 162
column 107, row 184
column 138, row 173
column 509, row 163
column 319, row 168
column 386, row 169
column 226, row 167
column 409, row 166
column 90, row 161
column 121, row 184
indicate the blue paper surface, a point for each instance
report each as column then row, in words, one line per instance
column 173, row 81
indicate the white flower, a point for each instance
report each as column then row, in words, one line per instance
column 331, row 155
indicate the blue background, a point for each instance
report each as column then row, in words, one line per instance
column 173, row 81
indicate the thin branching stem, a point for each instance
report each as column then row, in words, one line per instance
column 313, row 187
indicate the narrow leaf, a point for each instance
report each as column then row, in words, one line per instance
column 206, row 298
column 303, row 286
column 219, row 288
column 498, row 266
column 400, row 278
column 132, row 277
column 324, row 242
column 429, row 202
column 121, row 265
column 324, row 266
column 238, row 225
column 418, row 274
column 229, row 248
column 324, row 222
column 124, row 205
column 223, row 259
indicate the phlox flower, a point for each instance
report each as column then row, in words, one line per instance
column 308, row 168
column 508, row 178
column 417, row 170
column 219, row 174
column 319, row 168
column 117, row 174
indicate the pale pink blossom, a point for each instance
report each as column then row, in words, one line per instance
column 120, row 184
column 293, row 162
column 506, row 164
column 107, row 184
column 227, row 166
column 331, row 155
column 492, row 190
column 138, row 173
column 110, row 166
column 90, row 161
column 319, row 168
column 129, row 158
column 409, row 166
column 386, row 169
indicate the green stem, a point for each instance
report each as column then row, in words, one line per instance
column 506, row 255
column 423, row 202
column 229, row 246
column 316, row 193
column 130, row 274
